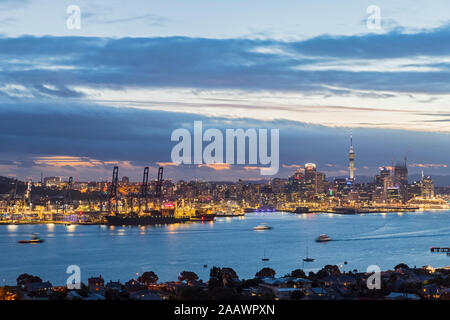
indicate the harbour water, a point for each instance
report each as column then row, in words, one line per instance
column 121, row 253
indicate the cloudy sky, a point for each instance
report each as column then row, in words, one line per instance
column 75, row 102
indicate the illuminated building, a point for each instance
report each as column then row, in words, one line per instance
column 393, row 194
column 314, row 180
column 299, row 174
column 52, row 181
column 384, row 173
column 427, row 185
column 401, row 180
column 415, row 189
column 308, row 182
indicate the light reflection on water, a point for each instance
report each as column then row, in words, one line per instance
column 121, row 252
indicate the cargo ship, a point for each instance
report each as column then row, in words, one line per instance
column 345, row 210
column 152, row 217
column 203, row 215
column 301, row 210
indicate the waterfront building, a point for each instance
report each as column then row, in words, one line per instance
column 415, row 189
column 50, row 182
column 427, row 185
column 384, row 173
column 96, row 284
column 401, row 180
column 393, row 194
column 308, row 182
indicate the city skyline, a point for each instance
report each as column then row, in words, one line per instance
column 74, row 102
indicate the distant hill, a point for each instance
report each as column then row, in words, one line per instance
column 439, row 181
column 7, row 186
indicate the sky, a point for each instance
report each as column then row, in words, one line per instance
column 76, row 102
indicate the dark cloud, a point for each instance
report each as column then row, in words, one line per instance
column 51, row 122
column 395, row 44
column 222, row 63
column 142, row 137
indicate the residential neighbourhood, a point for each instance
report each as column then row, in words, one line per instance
column 329, row 283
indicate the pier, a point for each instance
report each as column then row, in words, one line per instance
column 436, row 249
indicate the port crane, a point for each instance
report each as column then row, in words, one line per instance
column 113, row 188
column 143, row 193
column 159, row 183
column 28, row 194
column 144, row 189
column 68, row 195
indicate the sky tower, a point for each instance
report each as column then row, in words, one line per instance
column 351, row 159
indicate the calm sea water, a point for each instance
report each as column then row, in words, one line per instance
column 120, row 253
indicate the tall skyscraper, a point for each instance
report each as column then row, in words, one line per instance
column 401, row 179
column 351, row 159
column 427, row 187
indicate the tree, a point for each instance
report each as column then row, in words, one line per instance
column 298, row 273
column 229, row 273
column 267, row 295
column 111, row 294
column 401, row 266
column 328, row 270
column 265, row 273
column 188, row 276
column 148, row 277
column 83, row 291
column 215, row 278
column 191, row 293
column 27, row 278
column 58, row 295
column 223, row 294
column 250, row 283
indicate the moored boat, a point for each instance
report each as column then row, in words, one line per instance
column 34, row 239
column 308, row 258
column 262, row 227
column 323, row 238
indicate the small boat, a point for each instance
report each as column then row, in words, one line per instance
column 262, row 227
column 323, row 238
column 34, row 239
column 264, row 258
column 308, row 259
